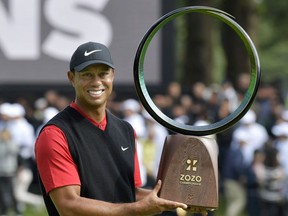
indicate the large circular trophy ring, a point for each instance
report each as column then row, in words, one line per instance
column 169, row 123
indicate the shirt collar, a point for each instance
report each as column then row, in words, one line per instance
column 101, row 125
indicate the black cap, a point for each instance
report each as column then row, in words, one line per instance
column 88, row 54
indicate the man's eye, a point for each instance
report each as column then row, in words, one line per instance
column 86, row 75
column 104, row 73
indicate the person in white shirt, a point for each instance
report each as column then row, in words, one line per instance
column 256, row 133
column 131, row 113
column 23, row 134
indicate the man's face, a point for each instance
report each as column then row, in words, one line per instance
column 93, row 85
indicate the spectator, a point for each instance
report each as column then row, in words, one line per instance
column 39, row 105
column 229, row 93
column 280, row 132
column 156, row 136
column 179, row 114
column 23, row 134
column 255, row 132
column 131, row 113
column 224, row 138
column 187, row 103
column 273, row 185
column 131, row 109
column 47, row 113
column 234, row 177
column 8, row 169
column 254, row 179
column 51, row 96
column 174, row 91
column 199, row 95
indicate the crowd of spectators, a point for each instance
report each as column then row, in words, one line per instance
column 252, row 156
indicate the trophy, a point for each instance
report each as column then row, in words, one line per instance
column 188, row 166
column 188, row 170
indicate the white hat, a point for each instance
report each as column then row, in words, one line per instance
column 17, row 110
column 241, row 135
column 49, row 113
column 249, row 117
column 280, row 129
column 131, row 104
column 5, row 109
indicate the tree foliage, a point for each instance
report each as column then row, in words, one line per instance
column 275, row 14
column 273, row 42
column 265, row 21
column 201, row 42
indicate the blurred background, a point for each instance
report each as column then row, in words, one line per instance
column 196, row 70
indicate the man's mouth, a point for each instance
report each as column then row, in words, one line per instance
column 95, row 92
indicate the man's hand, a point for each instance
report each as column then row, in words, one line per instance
column 155, row 205
column 191, row 211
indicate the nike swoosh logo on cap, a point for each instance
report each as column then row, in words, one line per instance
column 93, row 51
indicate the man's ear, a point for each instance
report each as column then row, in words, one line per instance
column 70, row 75
column 113, row 74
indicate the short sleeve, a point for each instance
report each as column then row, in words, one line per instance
column 54, row 161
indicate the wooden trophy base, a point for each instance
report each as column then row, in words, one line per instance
column 188, row 171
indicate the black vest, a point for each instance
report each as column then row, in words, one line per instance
column 104, row 159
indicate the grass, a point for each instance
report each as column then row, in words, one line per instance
column 32, row 211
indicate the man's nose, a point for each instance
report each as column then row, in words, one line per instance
column 96, row 78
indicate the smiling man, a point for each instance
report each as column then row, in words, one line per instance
column 86, row 157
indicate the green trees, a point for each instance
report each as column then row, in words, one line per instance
column 209, row 51
column 273, row 42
